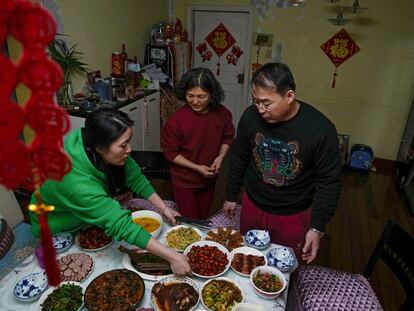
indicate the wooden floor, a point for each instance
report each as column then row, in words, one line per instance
column 367, row 202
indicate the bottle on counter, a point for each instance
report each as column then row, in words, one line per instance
column 117, row 65
column 124, row 59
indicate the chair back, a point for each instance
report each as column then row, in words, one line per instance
column 395, row 247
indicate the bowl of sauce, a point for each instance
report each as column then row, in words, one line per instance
column 149, row 220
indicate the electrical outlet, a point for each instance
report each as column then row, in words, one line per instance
column 263, row 39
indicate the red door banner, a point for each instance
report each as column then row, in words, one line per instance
column 339, row 49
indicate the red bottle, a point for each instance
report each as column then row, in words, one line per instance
column 117, row 65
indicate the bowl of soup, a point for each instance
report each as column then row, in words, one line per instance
column 149, row 220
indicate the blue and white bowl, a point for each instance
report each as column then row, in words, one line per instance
column 31, row 287
column 282, row 258
column 259, row 239
column 62, row 241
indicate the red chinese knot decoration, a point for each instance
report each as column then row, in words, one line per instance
column 220, row 40
column 339, row 49
column 45, row 158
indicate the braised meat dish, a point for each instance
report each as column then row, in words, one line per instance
column 174, row 296
column 115, row 290
column 245, row 263
column 227, row 237
column 93, row 238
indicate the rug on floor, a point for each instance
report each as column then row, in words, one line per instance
column 24, row 246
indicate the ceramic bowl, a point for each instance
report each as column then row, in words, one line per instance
column 217, row 294
column 185, row 241
column 259, row 239
column 282, row 258
column 171, row 280
column 62, row 241
column 31, row 287
column 151, row 214
column 248, row 307
column 51, row 289
column 272, row 270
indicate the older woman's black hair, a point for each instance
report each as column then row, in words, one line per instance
column 104, row 126
column 274, row 76
column 203, row 78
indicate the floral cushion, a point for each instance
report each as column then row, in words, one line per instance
column 321, row 288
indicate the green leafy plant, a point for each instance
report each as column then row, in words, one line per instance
column 69, row 59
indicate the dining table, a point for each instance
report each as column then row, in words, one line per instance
column 111, row 258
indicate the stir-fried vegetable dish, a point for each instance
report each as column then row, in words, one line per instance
column 182, row 237
column 267, row 282
column 67, row 297
column 221, row 295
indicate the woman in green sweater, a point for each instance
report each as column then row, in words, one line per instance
column 102, row 170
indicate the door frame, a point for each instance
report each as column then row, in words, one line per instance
column 249, row 9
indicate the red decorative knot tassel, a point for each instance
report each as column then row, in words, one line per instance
column 334, row 79
column 52, row 270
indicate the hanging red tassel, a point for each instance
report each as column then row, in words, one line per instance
column 334, row 79
column 49, row 253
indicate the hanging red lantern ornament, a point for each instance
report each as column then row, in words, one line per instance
column 220, row 40
column 45, row 158
column 339, row 49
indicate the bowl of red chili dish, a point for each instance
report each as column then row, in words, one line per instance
column 267, row 281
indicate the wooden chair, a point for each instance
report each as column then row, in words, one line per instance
column 320, row 288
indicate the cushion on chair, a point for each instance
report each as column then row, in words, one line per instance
column 221, row 220
column 322, row 288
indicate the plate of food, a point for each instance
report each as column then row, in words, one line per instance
column 31, row 287
column 126, row 289
column 75, row 267
column 92, row 239
column 245, row 259
column 175, row 293
column 140, row 261
column 66, row 296
column 208, row 259
column 221, row 294
column 227, row 237
column 179, row 237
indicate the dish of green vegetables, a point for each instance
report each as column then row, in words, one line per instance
column 68, row 296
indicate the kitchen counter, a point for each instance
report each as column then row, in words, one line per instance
column 115, row 104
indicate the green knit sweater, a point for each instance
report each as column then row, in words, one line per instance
column 81, row 198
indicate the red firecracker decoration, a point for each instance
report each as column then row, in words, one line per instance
column 339, row 49
column 45, row 158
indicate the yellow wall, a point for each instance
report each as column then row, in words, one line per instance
column 99, row 27
column 374, row 89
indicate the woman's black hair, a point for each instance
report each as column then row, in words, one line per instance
column 203, row 78
column 104, row 126
column 274, row 76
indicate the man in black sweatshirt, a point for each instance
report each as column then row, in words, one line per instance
column 287, row 156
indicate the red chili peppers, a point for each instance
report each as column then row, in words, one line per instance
column 207, row 260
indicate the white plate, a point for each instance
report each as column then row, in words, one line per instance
column 75, row 260
column 90, row 249
column 31, row 287
column 177, row 228
column 176, row 279
column 210, row 243
column 62, row 241
column 247, row 251
column 51, row 289
column 218, row 279
column 126, row 262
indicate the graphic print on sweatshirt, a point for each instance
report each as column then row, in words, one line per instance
column 276, row 160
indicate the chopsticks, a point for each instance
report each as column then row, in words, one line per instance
column 148, row 266
column 200, row 223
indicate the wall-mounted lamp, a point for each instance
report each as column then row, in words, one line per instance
column 355, row 8
column 339, row 20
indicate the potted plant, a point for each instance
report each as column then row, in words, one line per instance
column 70, row 61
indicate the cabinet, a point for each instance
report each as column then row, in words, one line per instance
column 145, row 112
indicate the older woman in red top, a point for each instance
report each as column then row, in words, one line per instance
column 196, row 139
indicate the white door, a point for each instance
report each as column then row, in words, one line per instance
column 222, row 39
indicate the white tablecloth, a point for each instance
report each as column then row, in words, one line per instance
column 111, row 258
